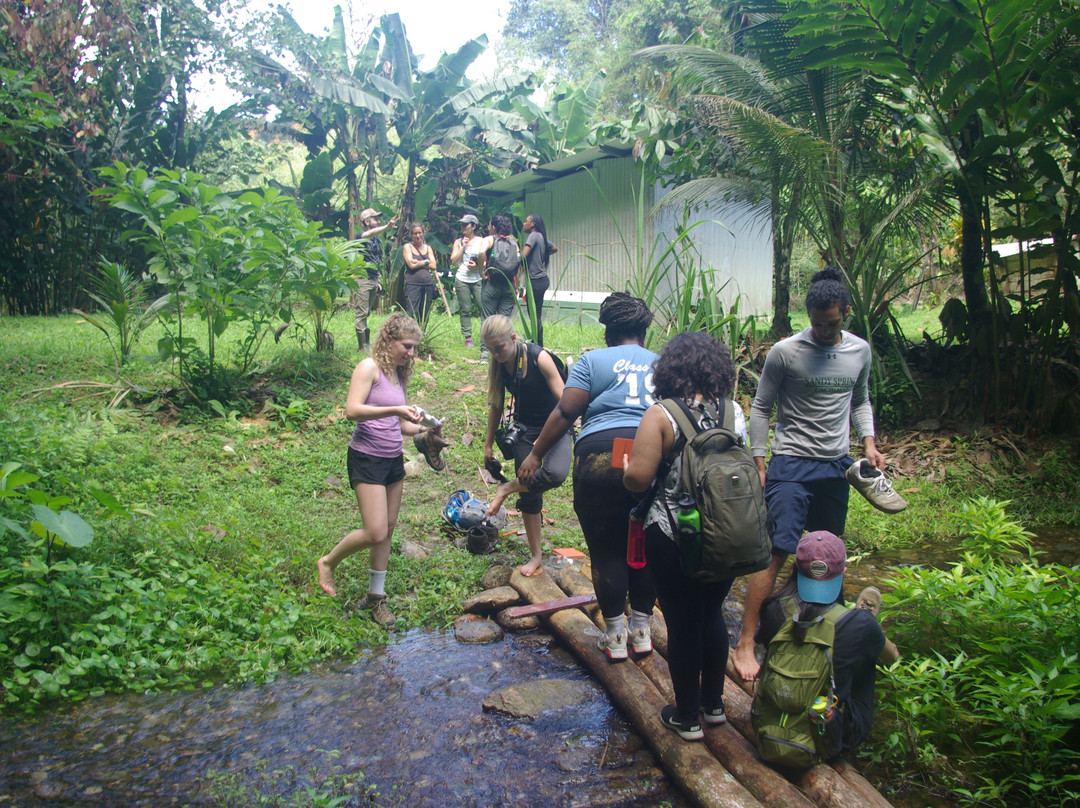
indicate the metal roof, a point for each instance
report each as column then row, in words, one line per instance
column 516, row 185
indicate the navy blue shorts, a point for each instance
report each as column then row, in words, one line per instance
column 365, row 468
column 803, row 495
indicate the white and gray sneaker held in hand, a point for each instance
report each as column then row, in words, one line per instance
column 875, row 487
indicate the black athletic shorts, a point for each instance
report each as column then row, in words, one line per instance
column 365, row 468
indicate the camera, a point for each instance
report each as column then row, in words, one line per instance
column 506, row 437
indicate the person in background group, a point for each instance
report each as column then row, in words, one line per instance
column 697, row 369
column 817, row 380
column 536, row 252
column 816, row 583
column 376, row 401
column 420, row 264
column 469, row 255
column 498, row 290
column 530, row 375
column 610, row 389
column 367, row 286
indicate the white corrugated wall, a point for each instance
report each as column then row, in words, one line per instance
column 594, row 258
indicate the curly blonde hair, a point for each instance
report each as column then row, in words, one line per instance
column 397, row 326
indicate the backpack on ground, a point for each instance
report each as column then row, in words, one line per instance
column 797, row 671
column 505, row 257
column 720, row 475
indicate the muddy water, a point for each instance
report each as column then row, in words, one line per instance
column 408, row 716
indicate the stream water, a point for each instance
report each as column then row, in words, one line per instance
column 407, row 716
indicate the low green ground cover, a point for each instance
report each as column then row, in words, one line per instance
column 206, row 524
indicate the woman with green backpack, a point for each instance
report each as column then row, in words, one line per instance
column 805, row 616
column 695, row 369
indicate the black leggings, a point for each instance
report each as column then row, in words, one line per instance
column 697, row 633
column 539, row 288
column 603, row 506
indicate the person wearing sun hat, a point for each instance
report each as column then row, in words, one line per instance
column 468, row 254
column 816, row 583
column 367, row 285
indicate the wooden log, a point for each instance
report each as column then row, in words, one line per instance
column 871, row 796
column 575, row 582
column 690, row 765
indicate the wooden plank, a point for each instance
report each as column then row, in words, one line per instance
column 549, row 606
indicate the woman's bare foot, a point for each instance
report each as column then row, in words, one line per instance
column 532, row 567
column 745, row 662
column 501, row 493
column 326, row 577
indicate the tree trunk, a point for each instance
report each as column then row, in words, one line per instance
column 783, row 244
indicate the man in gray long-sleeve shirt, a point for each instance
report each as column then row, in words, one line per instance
column 817, row 380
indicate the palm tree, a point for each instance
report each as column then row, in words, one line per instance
column 814, row 138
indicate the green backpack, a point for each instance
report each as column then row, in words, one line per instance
column 719, row 473
column 795, row 673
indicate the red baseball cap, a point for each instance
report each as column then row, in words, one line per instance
column 820, row 560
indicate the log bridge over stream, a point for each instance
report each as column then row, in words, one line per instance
column 722, row 772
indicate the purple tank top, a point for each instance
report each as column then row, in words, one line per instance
column 380, row 437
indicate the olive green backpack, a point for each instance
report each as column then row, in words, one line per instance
column 796, row 671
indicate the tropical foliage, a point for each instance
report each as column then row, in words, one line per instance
column 985, row 702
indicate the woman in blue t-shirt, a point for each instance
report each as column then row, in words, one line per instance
column 609, row 389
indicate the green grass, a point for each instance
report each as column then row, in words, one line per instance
column 233, row 511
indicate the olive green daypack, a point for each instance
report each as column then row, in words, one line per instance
column 796, row 671
column 720, row 475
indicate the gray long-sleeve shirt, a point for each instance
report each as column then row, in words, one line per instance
column 816, row 389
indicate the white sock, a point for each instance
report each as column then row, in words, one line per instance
column 638, row 620
column 615, row 625
column 376, row 582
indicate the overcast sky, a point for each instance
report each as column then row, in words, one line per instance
column 433, row 27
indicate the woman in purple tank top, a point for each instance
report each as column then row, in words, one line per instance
column 376, row 401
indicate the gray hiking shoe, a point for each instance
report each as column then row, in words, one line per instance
column 875, row 487
column 613, row 643
column 380, row 612
column 870, row 600
column 641, row 640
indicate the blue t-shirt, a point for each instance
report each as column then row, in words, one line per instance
column 620, row 385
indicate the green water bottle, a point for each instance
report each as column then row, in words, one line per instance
column 688, row 522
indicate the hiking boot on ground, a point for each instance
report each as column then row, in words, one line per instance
column 875, row 487
column 380, row 612
column 870, row 600
column 689, row 729
column 714, row 715
column 641, row 640
column 613, row 644
column 430, row 444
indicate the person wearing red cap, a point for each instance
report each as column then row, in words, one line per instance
column 816, row 583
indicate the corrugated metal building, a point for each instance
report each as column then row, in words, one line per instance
column 590, row 205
